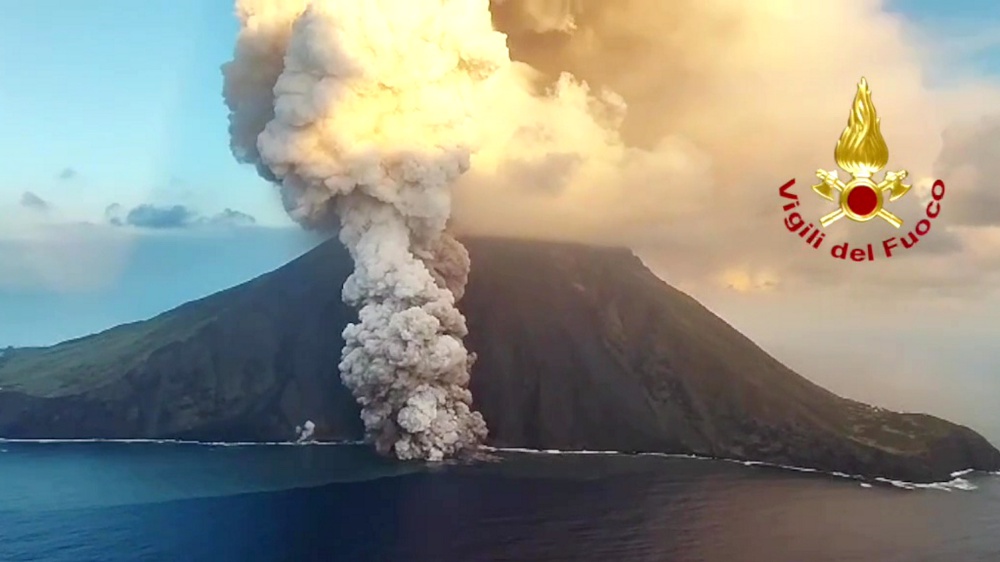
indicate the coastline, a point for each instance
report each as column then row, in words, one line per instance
column 957, row 482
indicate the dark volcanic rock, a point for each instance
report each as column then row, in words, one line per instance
column 579, row 348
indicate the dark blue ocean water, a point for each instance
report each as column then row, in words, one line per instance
column 172, row 502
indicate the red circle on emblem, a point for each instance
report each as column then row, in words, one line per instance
column 862, row 200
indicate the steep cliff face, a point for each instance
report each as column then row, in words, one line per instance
column 579, row 348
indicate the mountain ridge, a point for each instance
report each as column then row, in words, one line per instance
column 579, row 347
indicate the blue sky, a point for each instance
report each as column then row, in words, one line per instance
column 119, row 102
column 127, row 96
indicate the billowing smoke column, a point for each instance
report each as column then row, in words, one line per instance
column 361, row 110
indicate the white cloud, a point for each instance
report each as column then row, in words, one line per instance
column 725, row 102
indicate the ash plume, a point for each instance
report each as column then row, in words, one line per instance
column 360, row 112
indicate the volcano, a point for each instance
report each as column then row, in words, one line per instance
column 578, row 347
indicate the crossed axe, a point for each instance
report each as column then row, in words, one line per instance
column 832, row 188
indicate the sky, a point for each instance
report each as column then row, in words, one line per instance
column 121, row 198
column 113, row 101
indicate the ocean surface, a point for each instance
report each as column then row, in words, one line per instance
column 109, row 502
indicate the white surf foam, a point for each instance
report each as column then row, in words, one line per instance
column 956, row 483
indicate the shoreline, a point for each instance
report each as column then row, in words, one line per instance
column 957, row 481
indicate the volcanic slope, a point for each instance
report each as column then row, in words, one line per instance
column 578, row 347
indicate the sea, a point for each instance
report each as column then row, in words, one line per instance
column 180, row 502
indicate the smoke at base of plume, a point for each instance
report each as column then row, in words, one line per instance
column 304, row 433
column 361, row 112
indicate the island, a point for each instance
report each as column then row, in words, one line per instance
column 579, row 348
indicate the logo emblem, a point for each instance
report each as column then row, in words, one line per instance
column 861, row 152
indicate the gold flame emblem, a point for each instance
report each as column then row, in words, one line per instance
column 861, row 151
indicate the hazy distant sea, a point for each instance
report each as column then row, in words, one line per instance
column 173, row 502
